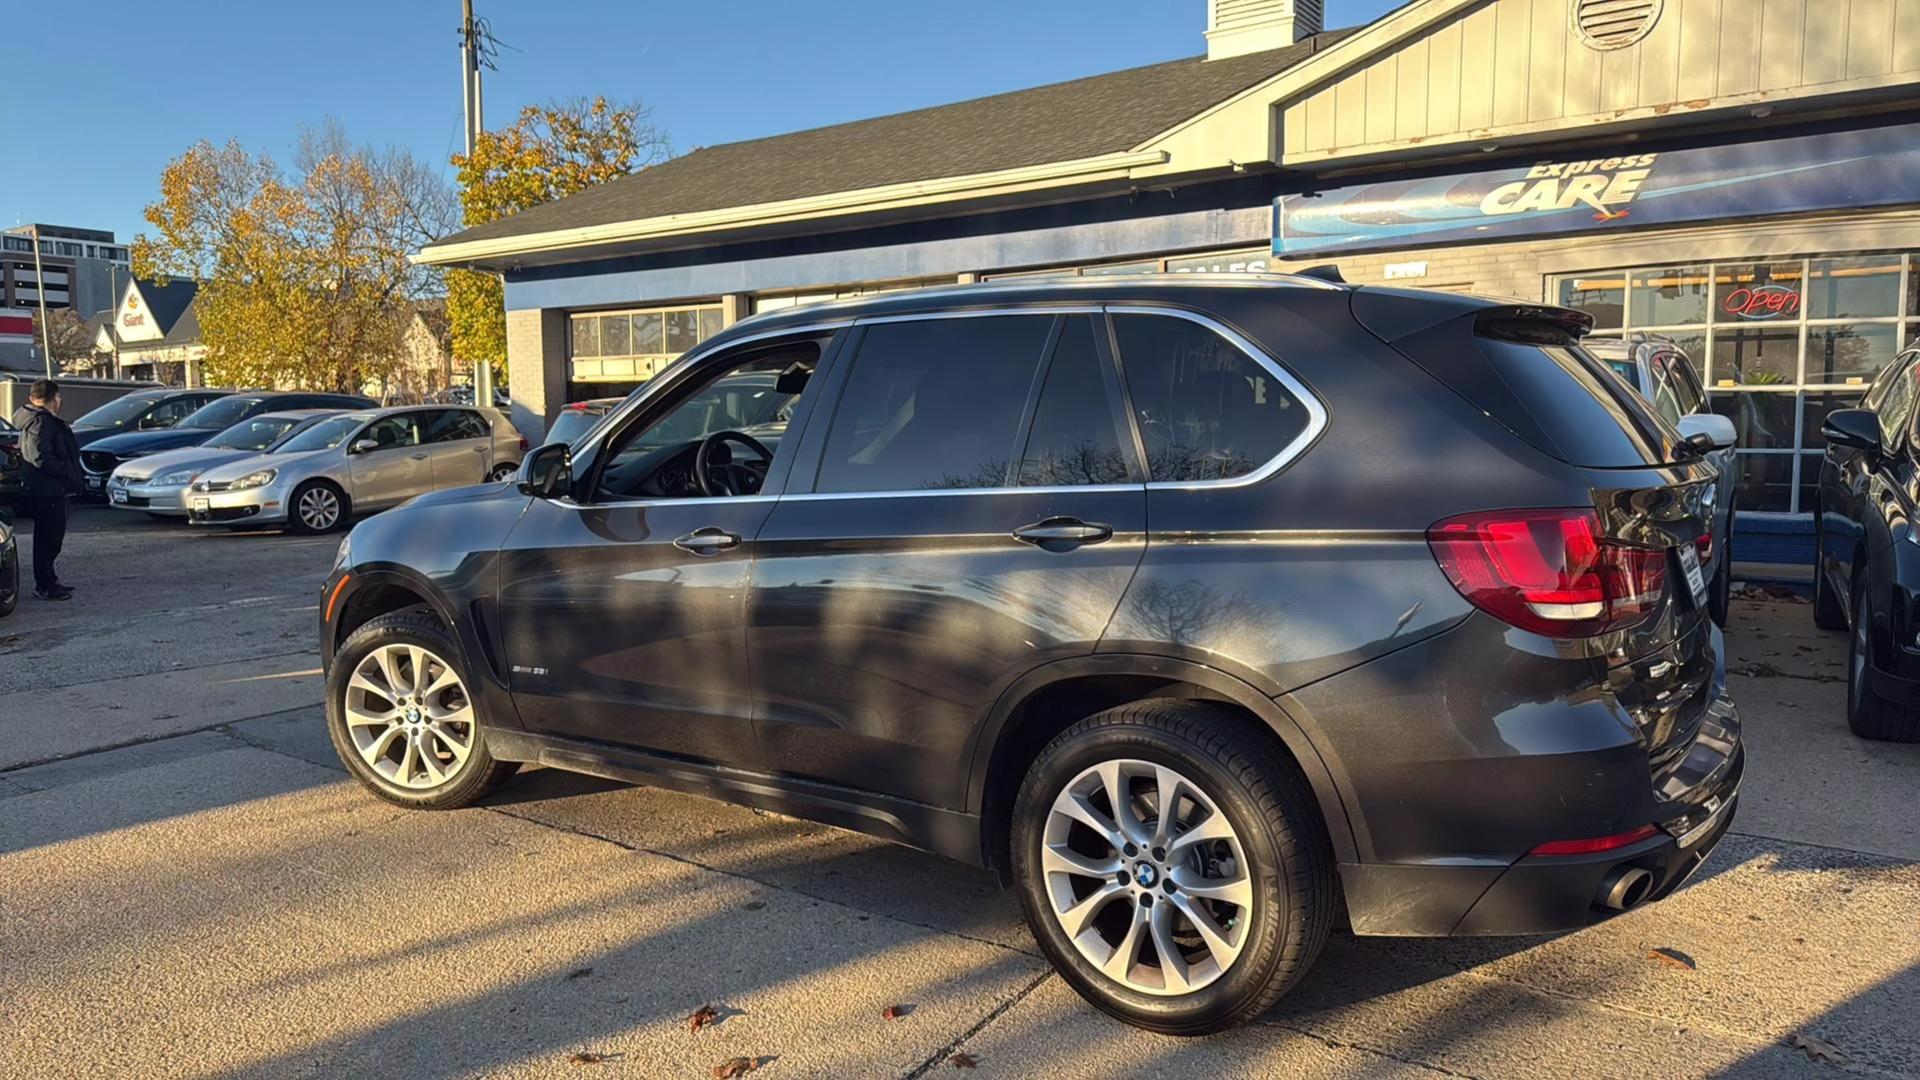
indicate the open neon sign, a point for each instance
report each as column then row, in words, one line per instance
column 1761, row 302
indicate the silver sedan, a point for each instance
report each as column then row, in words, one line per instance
column 356, row 463
column 157, row 483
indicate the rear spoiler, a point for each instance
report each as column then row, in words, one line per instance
column 1393, row 315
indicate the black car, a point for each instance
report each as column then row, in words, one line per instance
column 1209, row 612
column 142, row 410
column 10, row 481
column 99, row 458
column 1867, row 570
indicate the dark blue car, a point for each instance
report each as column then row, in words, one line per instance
column 102, row 456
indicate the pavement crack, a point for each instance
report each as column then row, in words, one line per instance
column 1341, row 1044
column 150, row 739
column 696, row 863
column 1762, row 670
column 123, row 676
column 960, row 1040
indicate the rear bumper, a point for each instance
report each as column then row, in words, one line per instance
column 1554, row 894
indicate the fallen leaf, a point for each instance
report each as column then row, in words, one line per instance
column 593, row 1057
column 702, row 1016
column 964, row 1061
column 895, row 1012
column 579, row 973
column 733, row 1067
column 1673, row 958
column 1819, row 1049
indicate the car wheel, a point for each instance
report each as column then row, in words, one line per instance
column 403, row 719
column 506, row 470
column 1173, row 865
column 316, row 507
column 1868, row 714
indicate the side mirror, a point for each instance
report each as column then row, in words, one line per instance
column 1718, row 429
column 1856, row 429
column 361, row 446
column 547, row 473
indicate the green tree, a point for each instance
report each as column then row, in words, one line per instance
column 549, row 152
column 304, row 280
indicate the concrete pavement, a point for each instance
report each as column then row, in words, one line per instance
column 224, row 903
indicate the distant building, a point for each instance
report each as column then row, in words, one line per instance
column 154, row 333
column 81, row 269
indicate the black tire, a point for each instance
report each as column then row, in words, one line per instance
column 1269, row 805
column 1868, row 714
column 296, row 523
column 479, row 776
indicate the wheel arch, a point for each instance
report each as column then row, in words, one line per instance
column 376, row 592
column 1042, row 703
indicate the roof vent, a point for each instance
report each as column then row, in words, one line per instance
column 1614, row 24
column 1238, row 27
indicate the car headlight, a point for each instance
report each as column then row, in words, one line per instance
column 254, row 480
column 179, row 478
column 345, row 554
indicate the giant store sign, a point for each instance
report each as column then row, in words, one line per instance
column 1610, row 191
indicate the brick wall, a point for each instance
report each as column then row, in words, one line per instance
column 536, row 368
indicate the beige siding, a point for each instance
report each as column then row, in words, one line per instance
column 1512, row 64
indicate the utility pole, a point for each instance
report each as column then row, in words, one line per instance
column 470, row 106
column 40, row 279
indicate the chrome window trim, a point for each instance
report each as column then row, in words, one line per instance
column 1316, row 411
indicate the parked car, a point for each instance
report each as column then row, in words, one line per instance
column 143, row 410
column 1209, row 612
column 356, row 463
column 99, row 459
column 9, row 569
column 1661, row 372
column 1867, row 567
column 157, row 483
column 10, row 481
column 578, row 417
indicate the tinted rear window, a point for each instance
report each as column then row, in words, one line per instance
column 1585, row 416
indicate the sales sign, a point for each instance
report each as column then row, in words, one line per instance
column 1607, row 191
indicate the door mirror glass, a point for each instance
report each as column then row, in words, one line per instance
column 1715, row 427
column 1856, row 429
column 548, row 472
column 361, row 446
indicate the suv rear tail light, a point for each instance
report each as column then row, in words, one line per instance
column 1549, row 571
column 1597, row 844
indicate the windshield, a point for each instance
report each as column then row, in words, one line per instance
column 255, row 434
column 220, row 414
column 115, row 413
column 324, row 435
column 573, row 423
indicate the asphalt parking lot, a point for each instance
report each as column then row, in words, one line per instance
column 189, row 886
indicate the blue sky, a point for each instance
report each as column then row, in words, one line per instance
column 105, row 92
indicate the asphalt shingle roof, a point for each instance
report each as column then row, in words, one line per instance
column 1101, row 114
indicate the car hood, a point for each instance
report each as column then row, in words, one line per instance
column 148, row 442
column 469, row 494
column 253, row 463
column 197, row 458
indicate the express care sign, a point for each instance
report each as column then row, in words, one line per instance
column 1612, row 190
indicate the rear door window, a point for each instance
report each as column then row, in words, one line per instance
column 1074, row 439
column 934, row 404
column 1206, row 410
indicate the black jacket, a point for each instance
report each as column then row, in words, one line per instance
column 49, row 455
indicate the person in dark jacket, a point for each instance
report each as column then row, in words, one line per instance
column 49, row 474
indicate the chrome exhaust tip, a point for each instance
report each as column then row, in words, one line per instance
column 1624, row 887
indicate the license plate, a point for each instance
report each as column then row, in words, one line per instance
column 200, row 507
column 120, row 497
column 1690, row 562
column 96, row 483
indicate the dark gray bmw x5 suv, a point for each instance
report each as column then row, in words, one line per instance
column 1210, row 612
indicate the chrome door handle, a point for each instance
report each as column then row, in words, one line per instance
column 707, row 541
column 1067, row 530
column 479, row 449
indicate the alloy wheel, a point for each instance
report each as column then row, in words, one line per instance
column 409, row 716
column 1147, row 877
column 319, row 509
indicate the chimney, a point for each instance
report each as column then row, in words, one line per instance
column 1238, row 27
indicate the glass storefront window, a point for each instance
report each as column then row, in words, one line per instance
column 624, row 346
column 1752, row 356
column 1854, row 288
column 1603, row 296
column 1850, row 353
column 1809, row 482
column 1782, row 342
column 1673, row 296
